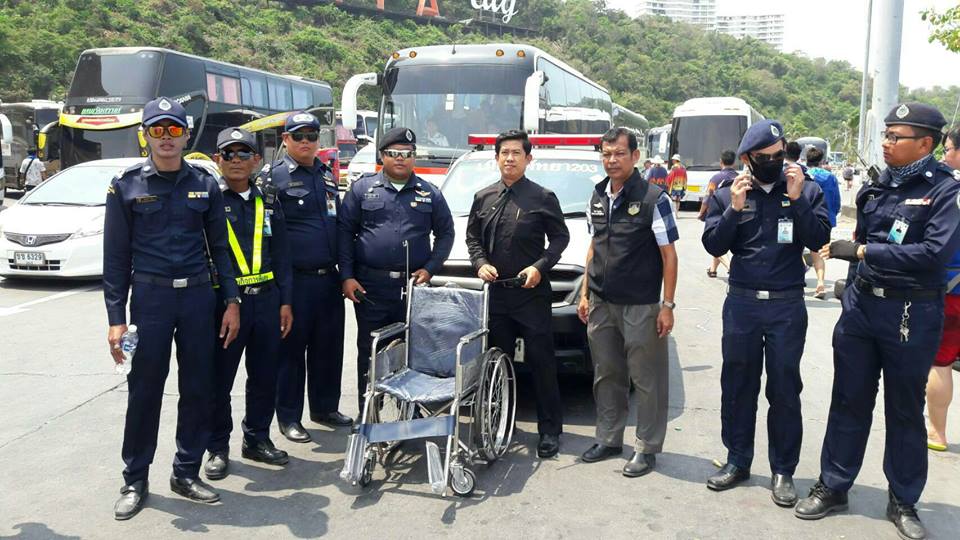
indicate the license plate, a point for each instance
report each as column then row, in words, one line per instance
column 693, row 189
column 29, row 258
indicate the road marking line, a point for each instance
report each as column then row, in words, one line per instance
column 19, row 308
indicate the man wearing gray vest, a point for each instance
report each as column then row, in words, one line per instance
column 632, row 255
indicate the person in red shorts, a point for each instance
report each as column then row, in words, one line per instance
column 940, row 380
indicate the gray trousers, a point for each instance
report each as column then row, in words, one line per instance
column 625, row 347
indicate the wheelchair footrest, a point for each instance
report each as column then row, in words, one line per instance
column 438, row 480
column 418, row 428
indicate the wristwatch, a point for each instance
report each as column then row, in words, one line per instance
column 233, row 300
column 669, row 304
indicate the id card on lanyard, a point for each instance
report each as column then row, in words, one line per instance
column 898, row 231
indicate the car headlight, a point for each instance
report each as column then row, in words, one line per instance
column 90, row 229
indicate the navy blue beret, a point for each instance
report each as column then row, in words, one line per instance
column 916, row 114
column 760, row 135
column 397, row 135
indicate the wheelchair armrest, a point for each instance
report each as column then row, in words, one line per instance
column 465, row 340
column 389, row 331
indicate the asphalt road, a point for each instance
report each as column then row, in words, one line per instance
column 60, row 438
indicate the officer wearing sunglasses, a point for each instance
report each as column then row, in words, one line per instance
column 159, row 216
column 257, row 236
column 764, row 217
column 382, row 212
column 313, row 352
column 892, row 317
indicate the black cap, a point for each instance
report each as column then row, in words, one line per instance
column 236, row 136
column 299, row 120
column 398, row 135
column 760, row 135
column 163, row 108
column 916, row 114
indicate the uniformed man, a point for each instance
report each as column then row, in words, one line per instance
column 308, row 198
column 892, row 318
column 257, row 236
column 159, row 215
column 765, row 218
column 505, row 232
column 631, row 258
column 384, row 232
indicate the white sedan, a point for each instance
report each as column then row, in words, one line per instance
column 56, row 230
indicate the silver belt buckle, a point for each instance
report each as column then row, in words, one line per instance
column 763, row 295
column 180, row 283
column 252, row 291
column 879, row 292
column 396, row 275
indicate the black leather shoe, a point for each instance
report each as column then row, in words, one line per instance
column 599, row 452
column 727, row 477
column 295, row 432
column 193, row 489
column 782, row 490
column 131, row 500
column 821, row 501
column 904, row 516
column 549, row 446
column 265, row 452
column 639, row 465
column 335, row 419
column 217, row 466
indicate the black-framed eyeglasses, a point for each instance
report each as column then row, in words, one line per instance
column 892, row 138
column 311, row 136
column 764, row 158
column 398, row 154
column 228, row 155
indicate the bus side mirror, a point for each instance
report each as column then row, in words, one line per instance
column 348, row 101
column 531, row 102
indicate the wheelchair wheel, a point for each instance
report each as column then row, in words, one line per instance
column 496, row 405
column 367, row 473
column 390, row 409
column 464, row 487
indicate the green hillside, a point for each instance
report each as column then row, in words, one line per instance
column 650, row 65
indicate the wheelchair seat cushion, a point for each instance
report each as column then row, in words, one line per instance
column 413, row 386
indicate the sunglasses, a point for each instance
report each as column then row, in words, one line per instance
column 311, row 136
column 397, row 154
column 228, row 155
column 764, row 158
column 173, row 130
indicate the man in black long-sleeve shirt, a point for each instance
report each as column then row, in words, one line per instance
column 505, row 236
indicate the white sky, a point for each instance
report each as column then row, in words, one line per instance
column 837, row 29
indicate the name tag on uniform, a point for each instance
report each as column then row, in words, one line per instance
column 785, row 203
column 369, row 195
column 147, row 198
column 294, row 183
column 898, row 231
column 267, row 227
column 198, row 195
column 785, row 231
column 424, row 200
column 917, row 202
column 331, row 207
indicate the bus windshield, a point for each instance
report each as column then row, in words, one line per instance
column 443, row 104
column 80, row 145
column 132, row 76
column 700, row 139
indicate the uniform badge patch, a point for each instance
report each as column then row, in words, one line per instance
column 198, row 195
column 146, row 199
column 633, row 209
column 902, row 111
column 110, row 189
column 303, row 117
column 413, row 204
column 423, row 193
column 774, row 131
column 164, row 105
column 236, row 135
column 917, row 202
column 409, row 135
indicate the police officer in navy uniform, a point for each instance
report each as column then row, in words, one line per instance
column 381, row 213
column 892, row 318
column 159, row 215
column 257, row 237
column 765, row 218
column 308, row 196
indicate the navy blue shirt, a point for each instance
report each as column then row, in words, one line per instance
column 927, row 203
column 275, row 253
column 759, row 261
column 376, row 218
column 310, row 203
column 154, row 224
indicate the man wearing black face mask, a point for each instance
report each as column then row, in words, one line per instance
column 765, row 218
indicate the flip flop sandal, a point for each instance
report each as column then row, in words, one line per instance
column 936, row 447
column 711, row 273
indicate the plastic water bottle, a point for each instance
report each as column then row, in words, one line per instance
column 128, row 345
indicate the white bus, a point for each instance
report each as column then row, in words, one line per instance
column 658, row 142
column 703, row 128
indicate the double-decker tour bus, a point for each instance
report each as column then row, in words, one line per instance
column 101, row 115
column 703, row 128
column 446, row 92
column 20, row 125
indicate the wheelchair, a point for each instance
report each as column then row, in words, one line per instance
column 435, row 373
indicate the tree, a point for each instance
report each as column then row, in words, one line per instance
column 946, row 27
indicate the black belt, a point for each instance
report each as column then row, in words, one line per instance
column 179, row 283
column 377, row 273
column 259, row 288
column 764, row 295
column 897, row 294
column 316, row 271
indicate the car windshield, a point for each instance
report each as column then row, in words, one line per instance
column 571, row 179
column 83, row 185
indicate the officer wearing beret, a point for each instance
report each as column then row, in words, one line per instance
column 384, row 231
column 257, row 236
column 765, row 218
column 159, row 214
column 313, row 352
column 892, row 317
